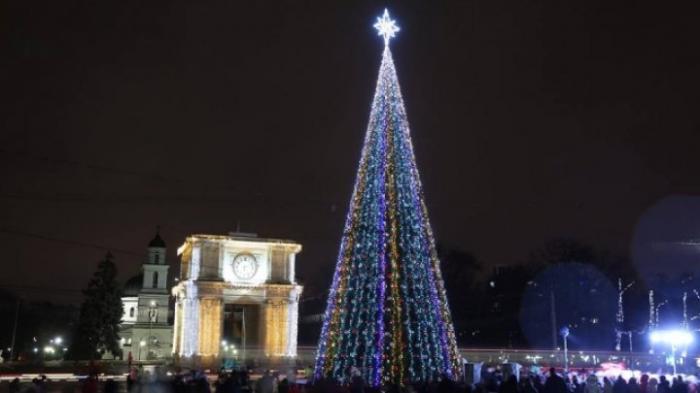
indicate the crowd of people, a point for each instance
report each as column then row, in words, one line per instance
column 582, row 383
column 240, row 381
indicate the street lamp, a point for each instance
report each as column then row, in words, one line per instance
column 674, row 339
column 565, row 334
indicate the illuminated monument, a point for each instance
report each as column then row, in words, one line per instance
column 237, row 298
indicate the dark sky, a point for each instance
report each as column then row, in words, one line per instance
column 531, row 120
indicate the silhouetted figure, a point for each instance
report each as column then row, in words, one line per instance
column 510, row 385
column 14, row 386
column 664, row 386
column 679, row 386
column 111, row 386
column 446, row 385
column 555, row 383
column 527, row 385
column 283, row 386
column 357, row 384
column 607, row 385
column 266, row 383
column 633, row 386
column 90, row 384
column 620, row 386
column 653, row 385
column 592, row 385
column 644, row 383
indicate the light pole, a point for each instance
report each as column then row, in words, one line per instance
column 565, row 334
column 674, row 339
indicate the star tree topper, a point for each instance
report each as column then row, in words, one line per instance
column 386, row 27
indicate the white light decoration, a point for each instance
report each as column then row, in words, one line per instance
column 672, row 337
column 190, row 344
column 386, row 27
column 676, row 340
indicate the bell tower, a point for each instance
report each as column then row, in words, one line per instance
column 155, row 270
column 154, row 296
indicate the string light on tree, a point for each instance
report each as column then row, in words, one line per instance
column 387, row 317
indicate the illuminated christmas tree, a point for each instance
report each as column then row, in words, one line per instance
column 387, row 316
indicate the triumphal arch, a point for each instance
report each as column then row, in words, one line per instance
column 237, row 298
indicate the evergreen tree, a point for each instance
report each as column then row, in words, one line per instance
column 387, row 314
column 97, row 331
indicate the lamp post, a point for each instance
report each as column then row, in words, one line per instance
column 565, row 334
column 674, row 339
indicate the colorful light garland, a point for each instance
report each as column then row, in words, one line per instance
column 387, row 316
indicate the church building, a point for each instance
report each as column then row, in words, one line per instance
column 237, row 298
column 146, row 333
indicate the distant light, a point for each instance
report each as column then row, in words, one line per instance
column 672, row 337
column 58, row 340
column 492, row 284
column 223, row 343
column 142, row 343
column 153, row 303
column 36, row 350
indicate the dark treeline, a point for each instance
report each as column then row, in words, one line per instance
column 563, row 283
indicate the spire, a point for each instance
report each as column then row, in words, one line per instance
column 157, row 242
column 387, row 314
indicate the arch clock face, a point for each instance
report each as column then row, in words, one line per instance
column 244, row 266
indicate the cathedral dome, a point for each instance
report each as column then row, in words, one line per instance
column 133, row 286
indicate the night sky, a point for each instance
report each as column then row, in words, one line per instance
column 531, row 121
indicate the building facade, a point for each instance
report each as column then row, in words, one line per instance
column 146, row 333
column 237, row 298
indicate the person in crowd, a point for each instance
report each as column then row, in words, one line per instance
column 607, row 385
column 555, row 383
column 510, row 385
column 679, row 386
column 644, row 383
column 592, row 385
column 357, row 383
column 90, row 384
column 265, row 383
column 664, row 386
column 111, row 386
column 537, row 381
column 14, row 386
column 283, row 386
column 446, row 385
column 620, row 385
column 653, row 385
column 527, row 385
column 633, row 386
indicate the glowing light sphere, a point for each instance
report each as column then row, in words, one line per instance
column 386, row 27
